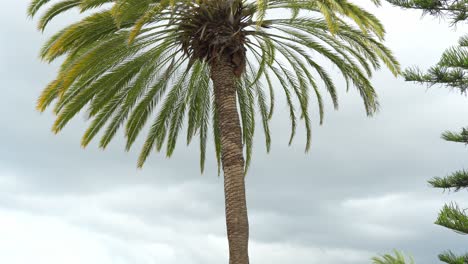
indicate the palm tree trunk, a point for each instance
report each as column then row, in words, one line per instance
column 222, row 74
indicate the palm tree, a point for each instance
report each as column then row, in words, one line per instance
column 210, row 60
column 399, row 258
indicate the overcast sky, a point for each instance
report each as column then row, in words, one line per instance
column 360, row 191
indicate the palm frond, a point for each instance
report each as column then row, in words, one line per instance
column 131, row 61
column 396, row 258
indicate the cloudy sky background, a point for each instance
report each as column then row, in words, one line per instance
column 360, row 191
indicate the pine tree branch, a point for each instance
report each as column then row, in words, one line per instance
column 453, row 217
column 451, row 71
column 450, row 258
column 461, row 137
column 455, row 10
column 456, row 181
column 453, row 78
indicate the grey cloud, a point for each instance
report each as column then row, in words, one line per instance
column 360, row 191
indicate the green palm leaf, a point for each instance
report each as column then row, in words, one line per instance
column 121, row 62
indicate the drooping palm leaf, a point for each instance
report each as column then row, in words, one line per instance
column 146, row 62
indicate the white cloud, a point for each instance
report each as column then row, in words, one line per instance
column 26, row 238
column 393, row 216
column 361, row 191
column 279, row 253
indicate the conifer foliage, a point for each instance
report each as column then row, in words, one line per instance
column 451, row 215
column 451, row 72
column 455, row 10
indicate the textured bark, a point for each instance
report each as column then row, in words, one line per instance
column 223, row 76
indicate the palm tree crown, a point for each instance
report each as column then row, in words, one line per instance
column 397, row 258
column 131, row 61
